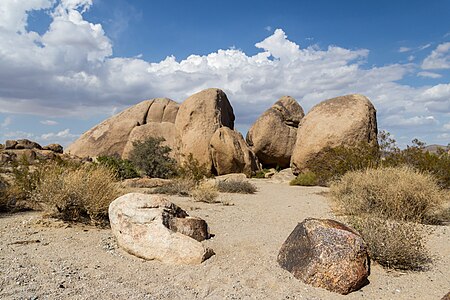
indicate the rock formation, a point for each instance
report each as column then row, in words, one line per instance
column 112, row 135
column 341, row 121
column 17, row 150
column 198, row 118
column 230, row 153
column 153, row 228
column 327, row 254
column 272, row 137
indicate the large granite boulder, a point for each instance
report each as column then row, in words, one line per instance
column 342, row 121
column 230, row 153
column 111, row 136
column 326, row 254
column 272, row 137
column 198, row 118
column 153, row 228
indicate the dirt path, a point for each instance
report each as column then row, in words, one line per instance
column 49, row 260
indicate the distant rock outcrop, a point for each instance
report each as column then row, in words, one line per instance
column 272, row 137
column 153, row 228
column 112, row 135
column 198, row 118
column 342, row 121
column 230, row 153
column 326, row 254
column 18, row 150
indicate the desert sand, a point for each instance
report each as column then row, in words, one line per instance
column 83, row 262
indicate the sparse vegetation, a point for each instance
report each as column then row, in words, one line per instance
column 123, row 168
column 236, row 186
column 79, row 194
column 205, row 192
column 307, row 178
column 402, row 194
column 191, row 169
column 178, row 186
column 152, row 158
column 393, row 244
column 4, row 202
column 261, row 173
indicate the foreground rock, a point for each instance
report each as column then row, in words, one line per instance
column 326, row 254
column 342, row 121
column 111, row 136
column 151, row 227
column 272, row 137
column 198, row 118
column 230, row 153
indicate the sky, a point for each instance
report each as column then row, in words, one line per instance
column 66, row 65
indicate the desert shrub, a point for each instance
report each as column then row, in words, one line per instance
column 192, row 169
column 205, row 192
column 393, row 244
column 152, row 158
column 415, row 156
column 236, row 186
column 400, row 193
column 259, row 174
column 307, row 178
column 331, row 163
column 123, row 168
column 80, row 194
column 178, row 186
column 4, row 202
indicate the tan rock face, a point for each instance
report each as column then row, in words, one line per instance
column 198, row 118
column 272, row 137
column 111, row 136
column 326, row 254
column 142, row 226
column 230, row 153
column 347, row 120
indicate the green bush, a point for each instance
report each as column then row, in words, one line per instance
column 78, row 194
column 4, row 202
column 152, row 158
column 401, row 193
column 236, row 186
column 397, row 245
column 332, row 163
column 191, row 168
column 305, row 179
column 123, row 168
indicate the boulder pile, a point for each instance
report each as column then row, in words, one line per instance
column 203, row 126
column 18, row 150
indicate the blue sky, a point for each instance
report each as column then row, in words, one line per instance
column 65, row 65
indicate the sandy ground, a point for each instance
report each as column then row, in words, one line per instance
column 83, row 262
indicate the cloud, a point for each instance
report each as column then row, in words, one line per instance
column 429, row 74
column 438, row 59
column 70, row 71
column 63, row 137
column 6, row 122
column 401, row 121
column 404, row 49
column 49, row 122
column 64, row 134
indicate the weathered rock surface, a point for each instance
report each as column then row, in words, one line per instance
column 342, row 121
column 284, row 176
column 57, row 148
column 21, row 144
column 446, row 297
column 326, row 254
column 147, row 226
column 111, row 136
column 230, row 153
column 198, row 118
column 272, row 137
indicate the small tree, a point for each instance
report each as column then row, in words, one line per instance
column 152, row 158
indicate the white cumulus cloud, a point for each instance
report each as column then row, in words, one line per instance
column 438, row 59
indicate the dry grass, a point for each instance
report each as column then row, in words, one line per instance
column 401, row 194
column 236, row 186
column 80, row 194
column 397, row 245
column 205, row 192
column 178, row 186
column 4, row 202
